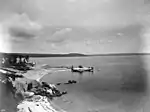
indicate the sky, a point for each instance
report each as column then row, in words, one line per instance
column 80, row 26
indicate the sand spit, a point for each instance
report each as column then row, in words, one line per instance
column 36, row 99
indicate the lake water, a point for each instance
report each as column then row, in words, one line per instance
column 118, row 84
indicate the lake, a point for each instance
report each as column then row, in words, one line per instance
column 118, row 84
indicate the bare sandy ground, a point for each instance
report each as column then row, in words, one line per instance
column 8, row 99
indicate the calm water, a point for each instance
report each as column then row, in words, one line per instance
column 118, row 84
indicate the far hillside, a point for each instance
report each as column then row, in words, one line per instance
column 44, row 55
column 72, row 54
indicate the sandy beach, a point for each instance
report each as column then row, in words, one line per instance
column 18, row 98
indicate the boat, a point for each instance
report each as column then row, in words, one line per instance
column 82, row 69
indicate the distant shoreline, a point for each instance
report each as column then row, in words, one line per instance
column 73, row 54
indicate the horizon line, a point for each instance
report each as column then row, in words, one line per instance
column 76, row 53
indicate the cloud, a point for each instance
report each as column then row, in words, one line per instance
column 59, row 36
column 84, row 13
column 72, row 0
column 144, row 20
column 18, row 32
column 79, row 13
column 73, row 21
column 10, row 7
column 62, row 31
column 22, row 20
column 20, row 27
column 145, row 34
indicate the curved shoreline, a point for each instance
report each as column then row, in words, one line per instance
column 30, row 102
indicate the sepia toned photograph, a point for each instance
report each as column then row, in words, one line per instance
column 74, row 55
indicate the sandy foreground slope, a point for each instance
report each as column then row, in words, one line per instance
column 37, row 104
column 31, row 102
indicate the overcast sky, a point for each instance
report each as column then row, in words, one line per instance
column 84, row 26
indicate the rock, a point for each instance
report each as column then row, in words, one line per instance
column 50, row 91
column 28, row 94
column 58, row 83
column 34, row 95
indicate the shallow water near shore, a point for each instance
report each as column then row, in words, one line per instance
column 118, row 84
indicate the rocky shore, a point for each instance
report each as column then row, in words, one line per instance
column 33, row 95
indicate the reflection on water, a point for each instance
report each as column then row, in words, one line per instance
column 118, row 84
